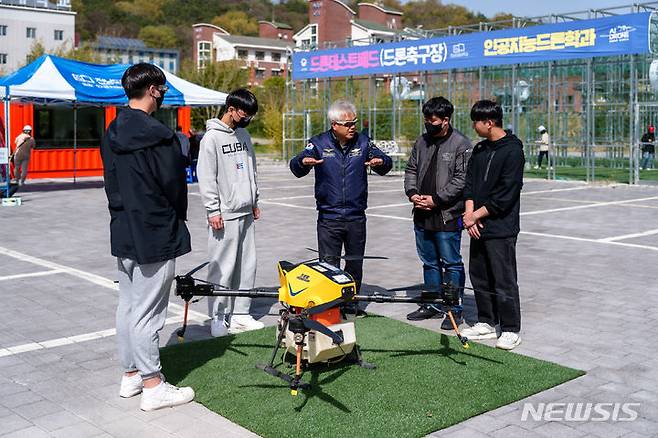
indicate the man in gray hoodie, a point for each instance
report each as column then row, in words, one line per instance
column 227, row 183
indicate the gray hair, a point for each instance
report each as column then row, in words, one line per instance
column 340, row 107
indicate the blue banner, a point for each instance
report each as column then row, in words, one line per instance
column 609, row 36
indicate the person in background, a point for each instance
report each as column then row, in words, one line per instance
column 21, row 157
column 544, row 147
column 648, row 148
column 184, row 144
column 366, row 128
column 195, row 142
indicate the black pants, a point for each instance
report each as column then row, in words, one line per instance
column 492, row 269
column 333, row 235
column 541, row 156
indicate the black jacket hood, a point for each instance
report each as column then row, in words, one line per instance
column 505, row 141
column 134, row 129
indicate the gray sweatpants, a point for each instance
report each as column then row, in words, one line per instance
column 143, row 298
column 232, row 257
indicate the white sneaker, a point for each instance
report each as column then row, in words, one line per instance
column 245, row 322
column 165, row 395
column 479, row 331
column 536, row 167
column 508, row 340
column 218, row 327
column 131, row 386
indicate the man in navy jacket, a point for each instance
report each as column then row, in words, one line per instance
column 341, row 158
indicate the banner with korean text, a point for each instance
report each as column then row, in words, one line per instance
column 609, row 36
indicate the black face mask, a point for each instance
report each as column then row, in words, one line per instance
column 432, row 129
column 159, row 100
column 243, row 123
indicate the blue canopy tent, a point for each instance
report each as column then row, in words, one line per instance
column 57, row 81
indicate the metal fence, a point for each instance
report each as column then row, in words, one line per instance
column 595, row 110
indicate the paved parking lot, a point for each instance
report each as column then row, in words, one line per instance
column 587, row 261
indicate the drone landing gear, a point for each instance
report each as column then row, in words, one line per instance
column 294, row 382
column 462, row 339
column 356, row 358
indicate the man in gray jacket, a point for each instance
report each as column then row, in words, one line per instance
column 227, row 183
column 434, row 182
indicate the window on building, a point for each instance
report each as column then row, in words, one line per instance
column 31, row 32
column 203, row 53
column 3, row 29
column 59, row 35
column 276, row 72
column 260, row 55
column 276, row 57
column 172, row 66
column 53, row 127
column 3, row 58
column 243, row 53
column 260, row 74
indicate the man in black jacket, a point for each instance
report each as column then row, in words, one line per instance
column 147, row 198
column 493, row 192
column 434, row 182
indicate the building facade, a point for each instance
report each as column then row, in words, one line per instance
column 117, row 50
column 334, row 24
column 24, row 23
column 264, row 56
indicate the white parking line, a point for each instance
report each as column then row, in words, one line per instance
column 283, row 204
column 629, row 236
column 408, row 204
column 53, row 343
column 93, row 278
column 31, row 274
column 580, row 207
column 529, row 233
column 582, row 239
column 568, row 189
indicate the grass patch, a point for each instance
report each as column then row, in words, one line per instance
column 424, row 381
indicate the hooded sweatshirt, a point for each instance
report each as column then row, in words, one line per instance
column 494, row 180
column 227, row 171
column 146, row 189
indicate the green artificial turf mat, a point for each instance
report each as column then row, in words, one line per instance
column 424, row 381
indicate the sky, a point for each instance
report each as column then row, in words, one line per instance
column 533, row 8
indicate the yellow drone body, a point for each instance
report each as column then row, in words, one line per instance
column 314, row 283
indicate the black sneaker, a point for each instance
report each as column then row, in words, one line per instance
column 424, row 312
column 447, row 325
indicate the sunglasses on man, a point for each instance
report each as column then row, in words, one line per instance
column 346, row 123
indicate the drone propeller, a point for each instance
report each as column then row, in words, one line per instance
column 198, row 268
column 352, row 257
column 312, row 324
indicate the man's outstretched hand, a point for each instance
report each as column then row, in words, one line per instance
column 310, row 161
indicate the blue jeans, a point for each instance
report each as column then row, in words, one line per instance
column 440, row 253
column 647, row 160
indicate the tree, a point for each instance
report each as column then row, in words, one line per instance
column 36, row 50
column 271, row 104
column 159, row 36
column 432, row 14
column 150, row 10
column 237, row 23
column 222, row 76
